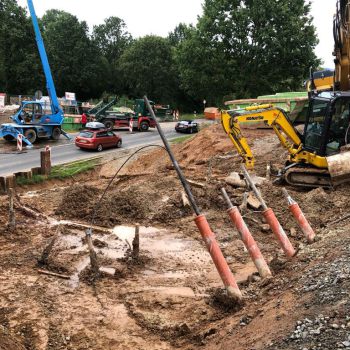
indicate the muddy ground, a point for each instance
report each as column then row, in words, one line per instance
column 170, row 296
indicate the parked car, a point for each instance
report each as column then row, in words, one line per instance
column 187, row 126
column 97, row 138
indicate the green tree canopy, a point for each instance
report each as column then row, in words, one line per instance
column 75, row 60
column 20, row 68
column 112, row 39
column 248, row 47
column 148, row 68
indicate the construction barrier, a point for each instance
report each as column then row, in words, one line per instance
column 131, row 125
column 20, row 142
column 218, row 258
column 277, row 229
column 249, row 242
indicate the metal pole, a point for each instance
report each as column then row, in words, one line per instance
column 227, row 198
column 253, row 187
column 173, row 160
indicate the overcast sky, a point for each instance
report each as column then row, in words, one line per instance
column 161, row 16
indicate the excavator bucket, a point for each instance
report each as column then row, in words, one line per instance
column 339, row 167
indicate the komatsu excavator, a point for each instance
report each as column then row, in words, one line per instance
column 320, row 156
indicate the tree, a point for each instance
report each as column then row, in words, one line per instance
column 112, row 39
column 75, row 61
column 179, row 34
column 20, row 68
column 248, row 47
column 148, row 68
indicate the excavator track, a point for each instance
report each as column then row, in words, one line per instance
column 308, row 177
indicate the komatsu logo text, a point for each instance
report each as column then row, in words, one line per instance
column 255, row 118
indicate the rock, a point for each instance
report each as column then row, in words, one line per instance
column 293, row 232
column 235, row 180
column 253, row 202
column 335, row 326
column 265, row 227
column 346, row 344
column 257, row 180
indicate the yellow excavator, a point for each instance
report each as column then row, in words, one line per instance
column 320, row 156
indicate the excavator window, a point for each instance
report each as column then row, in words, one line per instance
column 339, row 128
column 314, row 131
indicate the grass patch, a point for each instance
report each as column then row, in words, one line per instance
column 181, row 139
column 71, row 169
column 61, row 172
column 36, row 179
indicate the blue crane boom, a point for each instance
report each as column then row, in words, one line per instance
column 55, row 107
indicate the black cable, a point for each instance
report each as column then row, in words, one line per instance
column 113, row 178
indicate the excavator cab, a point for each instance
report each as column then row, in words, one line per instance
column 327, row 125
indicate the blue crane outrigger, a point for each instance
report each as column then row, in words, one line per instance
column 31, row 120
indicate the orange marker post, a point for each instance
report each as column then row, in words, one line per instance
column 247, row 238
column 271, row 219
column 300, row 217
column 218, row 258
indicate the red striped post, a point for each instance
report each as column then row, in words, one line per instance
column 300, row 217
column 247, row 238
column 218, row 258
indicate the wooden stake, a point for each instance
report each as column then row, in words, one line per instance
column 12, row 217
column 47, row 251
column 49, row 273
column 93, row 256
column 136, row 243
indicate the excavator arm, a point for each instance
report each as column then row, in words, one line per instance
column 276, row 118
column 271, row 116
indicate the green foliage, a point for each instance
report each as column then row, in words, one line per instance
column 71, row 169
column 181, row 139
column 247, row 48
column 75, row 60
column 36, row 179
column 61, row 172
column 112, row 39
column 239, row 48
column 148, row 68
column 20, row 69
column 192, row 116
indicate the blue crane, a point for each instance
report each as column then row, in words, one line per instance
column 32, row 120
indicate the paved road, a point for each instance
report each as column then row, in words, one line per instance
column 65, row 151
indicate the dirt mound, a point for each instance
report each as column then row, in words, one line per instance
column 77, row 201
column 210, row 150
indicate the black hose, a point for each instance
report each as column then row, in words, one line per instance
column 113, row 178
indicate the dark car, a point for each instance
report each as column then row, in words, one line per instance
column 97, row 139
column 187, row 126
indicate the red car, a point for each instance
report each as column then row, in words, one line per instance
column 97, row 139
